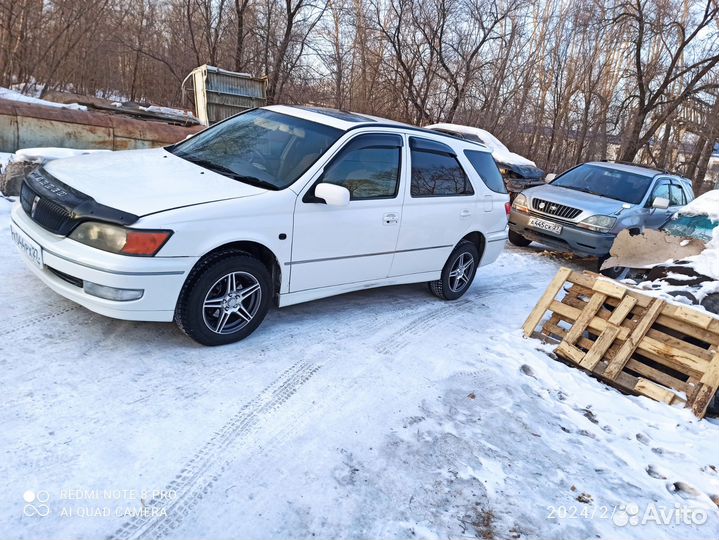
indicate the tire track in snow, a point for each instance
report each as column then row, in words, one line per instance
column 205, row 466
column 419, row 325
column 199, row 474
column 203, row 469
column 29, row 322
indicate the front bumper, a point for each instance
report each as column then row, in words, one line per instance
column 580, row 241
column 67, row 263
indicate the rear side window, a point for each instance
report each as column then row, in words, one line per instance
column 435, row 172
column 486, row 168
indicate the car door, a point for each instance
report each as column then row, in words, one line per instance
column 336, row 245
column 439, row 207
column 656, row 217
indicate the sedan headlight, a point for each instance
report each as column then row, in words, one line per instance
column 116, row 239
column 521, row 203
column 598, row 223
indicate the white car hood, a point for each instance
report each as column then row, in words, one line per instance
column 143, row 182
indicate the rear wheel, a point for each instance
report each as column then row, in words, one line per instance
column 518, row 240
column 224, row 299
column 458, row 272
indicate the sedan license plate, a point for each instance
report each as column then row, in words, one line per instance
column 545, row 225
column 27, row 245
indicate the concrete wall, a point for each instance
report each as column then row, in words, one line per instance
column 24, row 125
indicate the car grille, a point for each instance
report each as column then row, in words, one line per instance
column 46, row 213
column 555, row 209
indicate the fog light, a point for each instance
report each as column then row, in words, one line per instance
column 112, row 293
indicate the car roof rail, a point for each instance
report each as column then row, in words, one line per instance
column 410, row 127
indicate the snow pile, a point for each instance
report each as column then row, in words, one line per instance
column 12, row 95
column 500, row 152
column 704, row 205
column 168, row 111
column 707, row 262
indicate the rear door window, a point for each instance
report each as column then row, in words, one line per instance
column 436, row 171
column 486, row 168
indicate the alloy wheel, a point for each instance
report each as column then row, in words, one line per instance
column 461, row 272
column 232, row 302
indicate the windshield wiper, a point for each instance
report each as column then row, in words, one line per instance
column 226, row 171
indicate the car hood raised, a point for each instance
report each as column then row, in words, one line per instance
column 577, row 199
column 144, row 182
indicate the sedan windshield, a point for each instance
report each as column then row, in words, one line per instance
column 606, row 182
column 260, row 147
column 699, row 227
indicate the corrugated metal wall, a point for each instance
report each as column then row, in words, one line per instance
column 219, row 93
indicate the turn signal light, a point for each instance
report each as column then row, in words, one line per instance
column 144, row 242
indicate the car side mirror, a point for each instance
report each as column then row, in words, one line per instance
column 549, row 178
column 661, row 203
column 332, row 194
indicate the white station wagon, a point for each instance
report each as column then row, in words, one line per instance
column 283, row 204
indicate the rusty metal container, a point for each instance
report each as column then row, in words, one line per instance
column 220, row 93
column 24, row 125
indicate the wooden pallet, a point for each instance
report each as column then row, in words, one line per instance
column 638, row 343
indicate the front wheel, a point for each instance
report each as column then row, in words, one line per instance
column 224, row 299
column 458, row 272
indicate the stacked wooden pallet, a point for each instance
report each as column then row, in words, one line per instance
column 640, row 344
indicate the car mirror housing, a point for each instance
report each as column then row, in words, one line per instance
column 549, row 178
column 332, row 194
column 661, row 203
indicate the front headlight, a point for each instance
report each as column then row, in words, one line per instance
column 598, row 223
column 521, row 203
column 116, row 239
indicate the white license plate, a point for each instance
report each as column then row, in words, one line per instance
column 545, row 225
column 27, row 245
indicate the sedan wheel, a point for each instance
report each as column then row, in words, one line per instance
column 461, row 273
column 458, row 272
column 224, row 299
column 232, row 302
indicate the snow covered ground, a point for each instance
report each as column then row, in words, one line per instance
column 379, row 414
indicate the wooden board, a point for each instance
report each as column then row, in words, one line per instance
column 638, row 343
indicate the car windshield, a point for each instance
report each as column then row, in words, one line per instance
column 260, row 147
column 699, row 227
column 606, row 182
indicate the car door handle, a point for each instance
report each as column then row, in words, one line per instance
column 391, row 218
column 465, row 213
